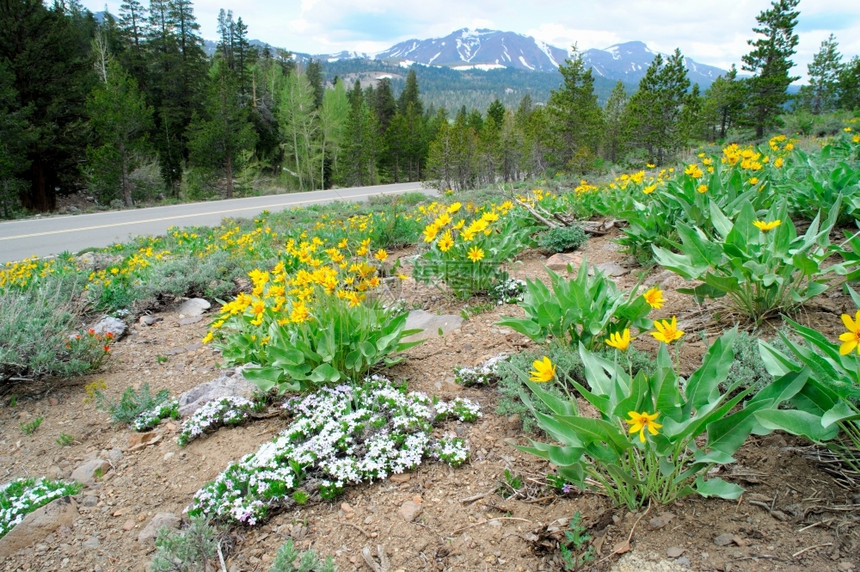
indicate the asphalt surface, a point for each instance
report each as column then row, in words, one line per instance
column 49, row 236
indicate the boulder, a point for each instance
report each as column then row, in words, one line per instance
column 231, row 384
column 37, row 525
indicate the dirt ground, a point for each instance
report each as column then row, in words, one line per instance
column 795, row 515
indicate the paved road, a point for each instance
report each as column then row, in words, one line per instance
column 53, row 235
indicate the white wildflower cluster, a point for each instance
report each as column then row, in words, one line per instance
column 484, row 374
column 214, row 414
column 152, row 417
column 450, row 449
column 338, row 436
column 508, row 291
column 22, row 496
column 461, row 409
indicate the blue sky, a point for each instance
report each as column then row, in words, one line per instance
column 713, row 32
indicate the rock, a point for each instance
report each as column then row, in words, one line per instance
column 90, row 471
column 128, row 525
column 674, row 552
column 92, row 542
column 113, row 326
column 431, row 324
column 560, row 262
column 115, row 455
column 724, row 539
column 194, row 307
column 662, row 520
column 159, row 521
column 410, row 510
column 148, row 320
column 37, row 525
column 612, row 269
column 845, row 566
column 189, row 321
column 399, row 478
column 139, row 440
column 230, row 384
column 90, row 501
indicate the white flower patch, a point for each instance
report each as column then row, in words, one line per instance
column 338, row 436
column 214, row 414
column 22, row 496
column 484, row 374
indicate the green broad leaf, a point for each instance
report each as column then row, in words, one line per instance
column 713, row 457
column 557, row 404
column 266, row 378
column 717, row 487
column 703, row 385
column 564, row 456
column 680, row 264
column 721, row 222
column 403, row 346
column 325, row 373
column 353, row 361
column 574, row 474
column 369, row 349
column 702, row 292
column 281, row 356
column 775, row 362
column 591, row 430
column 805, row 264
column 796, row 422
column 699, row 247
column 842, row 411
column 526, row 327
column 723, row 284
column 561, row 430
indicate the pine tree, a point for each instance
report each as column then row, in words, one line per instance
column 121, row 121
column 770, row 62
column 15, row 139
column 361, row 140
column 223, row 130
column 576, row 118
column 653, row 114
column 849, row 85
column 821, row 96
column 46, row 54
column 315, row 78
column 613, row 129
column 723, row 105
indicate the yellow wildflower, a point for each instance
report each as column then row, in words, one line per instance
column 767, row 226
column 850, row 339
column 667, row 332
column 543, row 371
column 702, row 188
column 620, row 341
column 640, row 421
column 475, row 254
column 654, row 297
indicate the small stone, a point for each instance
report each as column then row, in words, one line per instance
column 724, row 539
column 92, row 542
column 347, row 510
column 90, row 501
column 148, row 320
column 560, row 262
column 661, row 521
column 612, row 269
column 674, row 551
column 845, row 566
column 399, row 478
column 139, row 440
column 410, row 510
column 91, row 471
column 194, row 307
column 159, row 521
column 128, row 525
column 113, row 326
